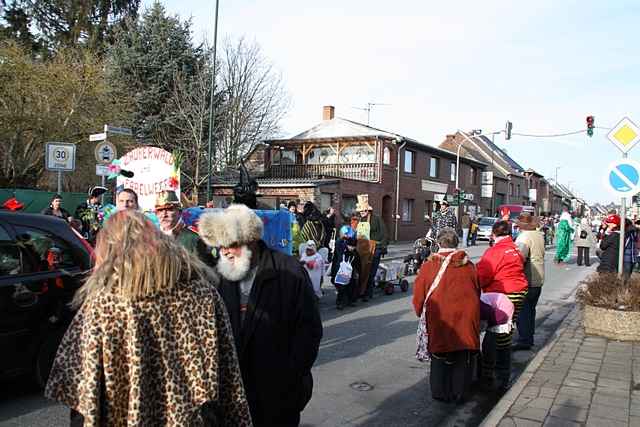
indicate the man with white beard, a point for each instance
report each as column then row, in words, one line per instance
column 273, row 314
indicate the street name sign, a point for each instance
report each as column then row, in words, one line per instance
column 97, row 137
column 623, row 178
column 60, row 156
column 117, row 131
column 625, row 135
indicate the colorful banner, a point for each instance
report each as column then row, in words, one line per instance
column 153, row 171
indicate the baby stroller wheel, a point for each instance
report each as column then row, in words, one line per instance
column 404, row 286
column 388, row 289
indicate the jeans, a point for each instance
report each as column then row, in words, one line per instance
column 583, row 253
column 527, row 318
column 375, row 262
column 465, row 236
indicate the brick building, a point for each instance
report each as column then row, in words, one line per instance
column 334, row 161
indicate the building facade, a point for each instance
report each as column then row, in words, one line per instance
column 337, row 160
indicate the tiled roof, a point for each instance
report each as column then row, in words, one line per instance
column 502, row 153
column 338, row 128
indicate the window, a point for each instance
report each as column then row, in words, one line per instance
column 518, row 191
column 407, row 210
column 409, row 161
column 9, row 255
column 433, row 167
column 39, row 243
column 453, row 171
column 386, row 156
column 474, row 176
column 511, row 191
column 428, row 204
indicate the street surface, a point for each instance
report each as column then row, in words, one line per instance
column 366, row 373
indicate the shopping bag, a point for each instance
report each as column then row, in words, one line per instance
column 343, row 277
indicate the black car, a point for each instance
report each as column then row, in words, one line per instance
column 43, row 261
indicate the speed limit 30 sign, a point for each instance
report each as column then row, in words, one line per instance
column 60, row 156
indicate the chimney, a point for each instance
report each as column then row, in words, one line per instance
column 328, row 112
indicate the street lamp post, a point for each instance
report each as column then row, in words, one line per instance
column 212, row 107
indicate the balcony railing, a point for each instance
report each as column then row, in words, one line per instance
column 356, row 171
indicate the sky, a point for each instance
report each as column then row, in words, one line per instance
column 443, row 66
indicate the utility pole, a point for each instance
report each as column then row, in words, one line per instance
column 212, row 107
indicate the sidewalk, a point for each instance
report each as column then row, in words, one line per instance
column 576, row 380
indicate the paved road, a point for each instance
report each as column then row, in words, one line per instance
column 373, row 344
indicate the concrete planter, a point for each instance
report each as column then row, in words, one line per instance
column 613, row 324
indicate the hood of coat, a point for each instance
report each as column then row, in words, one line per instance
column 459, row 258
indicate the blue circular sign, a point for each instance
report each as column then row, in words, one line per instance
column 624, row 177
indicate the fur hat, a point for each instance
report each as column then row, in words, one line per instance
column 235, row 225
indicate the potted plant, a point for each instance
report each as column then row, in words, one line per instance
column 611, row 306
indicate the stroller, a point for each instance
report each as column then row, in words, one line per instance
column 422, row 248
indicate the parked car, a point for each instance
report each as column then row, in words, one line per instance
column 43, row 261
column 485, row 227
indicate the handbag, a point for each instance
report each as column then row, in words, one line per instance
column 422, row 336
column 345, row 271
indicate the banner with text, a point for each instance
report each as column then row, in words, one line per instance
column 153, row 171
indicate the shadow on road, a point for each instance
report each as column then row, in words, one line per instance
column 356, row 336
column 20, row 396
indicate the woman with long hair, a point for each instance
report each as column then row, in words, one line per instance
column 151, row 342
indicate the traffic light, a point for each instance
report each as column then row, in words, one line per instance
column 507, row 130
column 590, row 125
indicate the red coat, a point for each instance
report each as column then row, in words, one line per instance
column 453, row 309
column 501, row 268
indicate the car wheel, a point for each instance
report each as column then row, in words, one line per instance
column 404, row 286
column 46, row 355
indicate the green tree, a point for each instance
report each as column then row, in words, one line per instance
column 17, row 27
column 144, row 61
column 79, row 23
column 62, row 99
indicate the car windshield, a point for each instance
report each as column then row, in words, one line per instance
column 487, row 221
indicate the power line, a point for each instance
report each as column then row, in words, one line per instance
column 554, row 135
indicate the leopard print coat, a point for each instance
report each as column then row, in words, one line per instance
column 154, row 361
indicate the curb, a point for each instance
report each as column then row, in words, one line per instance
column 500, row 410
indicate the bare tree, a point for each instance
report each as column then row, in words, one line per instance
column 254, row 101
column 189, row 108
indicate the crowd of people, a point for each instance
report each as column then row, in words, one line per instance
column 171, row 331
column 216, row 328
column 452, row 297
column 353, row 248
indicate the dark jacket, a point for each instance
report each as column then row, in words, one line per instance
column 344, row 254
column 329, row 223
column 63, row 212
column 610, row 247
column 88, row 215
column 278, row 341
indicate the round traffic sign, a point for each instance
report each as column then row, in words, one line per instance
column 105, row 152
column 623, row 177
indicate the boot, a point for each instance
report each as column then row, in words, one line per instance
column 503, row 369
